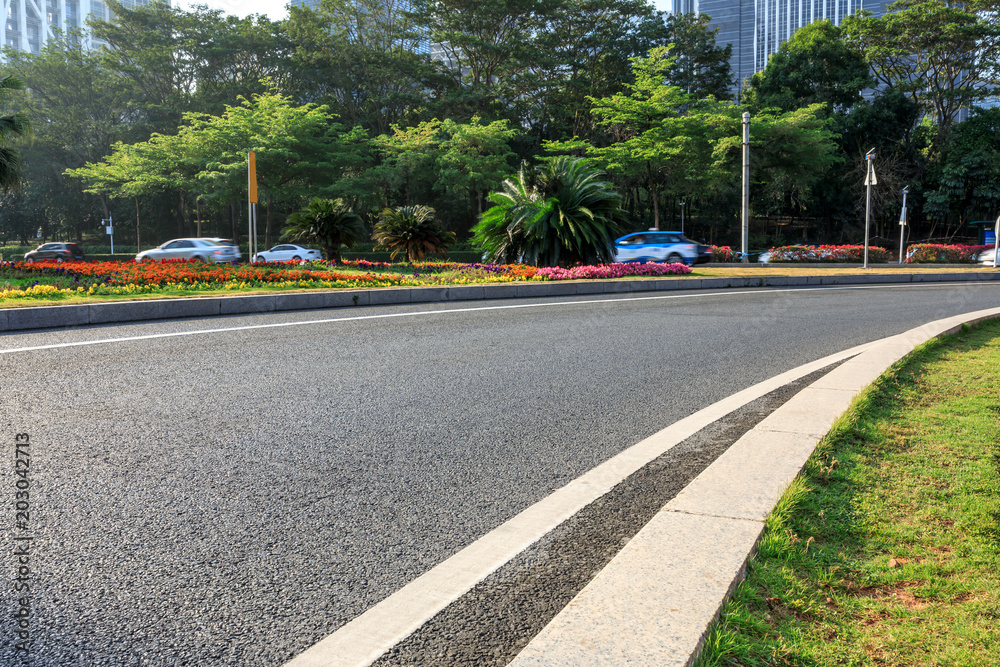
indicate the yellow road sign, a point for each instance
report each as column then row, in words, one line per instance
column 252, row 176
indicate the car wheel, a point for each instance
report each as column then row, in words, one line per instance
column 29, row 260
column 674, row 258
column 297, row 258
column 59, row 259
column 198, row 258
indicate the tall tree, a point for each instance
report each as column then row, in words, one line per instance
column 654, row 134
column 455, row 164
column 81, row 110
column 700, row 67
column 14, row 127
column 175, row 61
column 969, row 180
column 361, row 57
column 300, row 151
column 583, row 50
column 815, row 66
column 943, row 54
column 483, row 43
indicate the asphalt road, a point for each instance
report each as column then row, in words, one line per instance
column 233, row 493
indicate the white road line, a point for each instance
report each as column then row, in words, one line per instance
column 199, row 332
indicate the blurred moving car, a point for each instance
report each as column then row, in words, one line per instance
column 60, row 252
column 657, row 246
column 986, row 257
column 287, row 252
column 200, row 250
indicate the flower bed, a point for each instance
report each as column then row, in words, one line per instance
column 827, row 253
column 617, row 270
column 937, row 253
column 55, row 280
column 723, row 253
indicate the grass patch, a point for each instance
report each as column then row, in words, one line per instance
column 886, row 550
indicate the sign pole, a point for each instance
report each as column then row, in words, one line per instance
column 109, row 229
column 902, row 224
column 869, row 180
column 251, row 201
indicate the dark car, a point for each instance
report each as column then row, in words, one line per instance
column 60, row 252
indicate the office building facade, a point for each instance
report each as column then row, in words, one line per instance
column 29, row 24
column 756, row 29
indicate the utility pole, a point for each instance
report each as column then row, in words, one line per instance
column 746, row 186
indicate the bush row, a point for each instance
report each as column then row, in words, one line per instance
column 937, row 253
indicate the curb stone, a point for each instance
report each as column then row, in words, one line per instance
column 41, row 317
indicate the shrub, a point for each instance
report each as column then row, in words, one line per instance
column 560, row 213
column 828, row 254
column 724, row 253
column 328, row 222
column 937, row 253
column 413, row 230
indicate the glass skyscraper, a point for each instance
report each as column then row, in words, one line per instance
column 29, row 24
column 756, row 29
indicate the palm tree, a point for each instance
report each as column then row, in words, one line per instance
column 13, row 128
column 500, row 232
column 328, row 222
column 413, row 230
column 561, row 213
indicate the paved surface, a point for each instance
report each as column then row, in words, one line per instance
column 233, row 497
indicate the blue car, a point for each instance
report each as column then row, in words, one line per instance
column 657, row 246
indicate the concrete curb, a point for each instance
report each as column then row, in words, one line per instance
column 19, row 319
column 655, row 602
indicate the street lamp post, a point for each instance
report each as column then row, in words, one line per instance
column 746, row 186
column 869, row 181
column 682, row 217
column 902, row 224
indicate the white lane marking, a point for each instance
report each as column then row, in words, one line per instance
column 362, row 640
column 250, row 327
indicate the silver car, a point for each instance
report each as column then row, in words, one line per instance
column 287, row 252
column 200, row 250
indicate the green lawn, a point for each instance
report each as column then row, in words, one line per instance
column 886, row 551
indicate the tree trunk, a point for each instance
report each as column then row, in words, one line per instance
column 655, row 196
column 267, row 225
column 138, row 247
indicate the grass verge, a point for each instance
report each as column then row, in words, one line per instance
column 886, row 550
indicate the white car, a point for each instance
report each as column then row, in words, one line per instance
column 287, row 252
column 986, row 257
column 200, row 250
